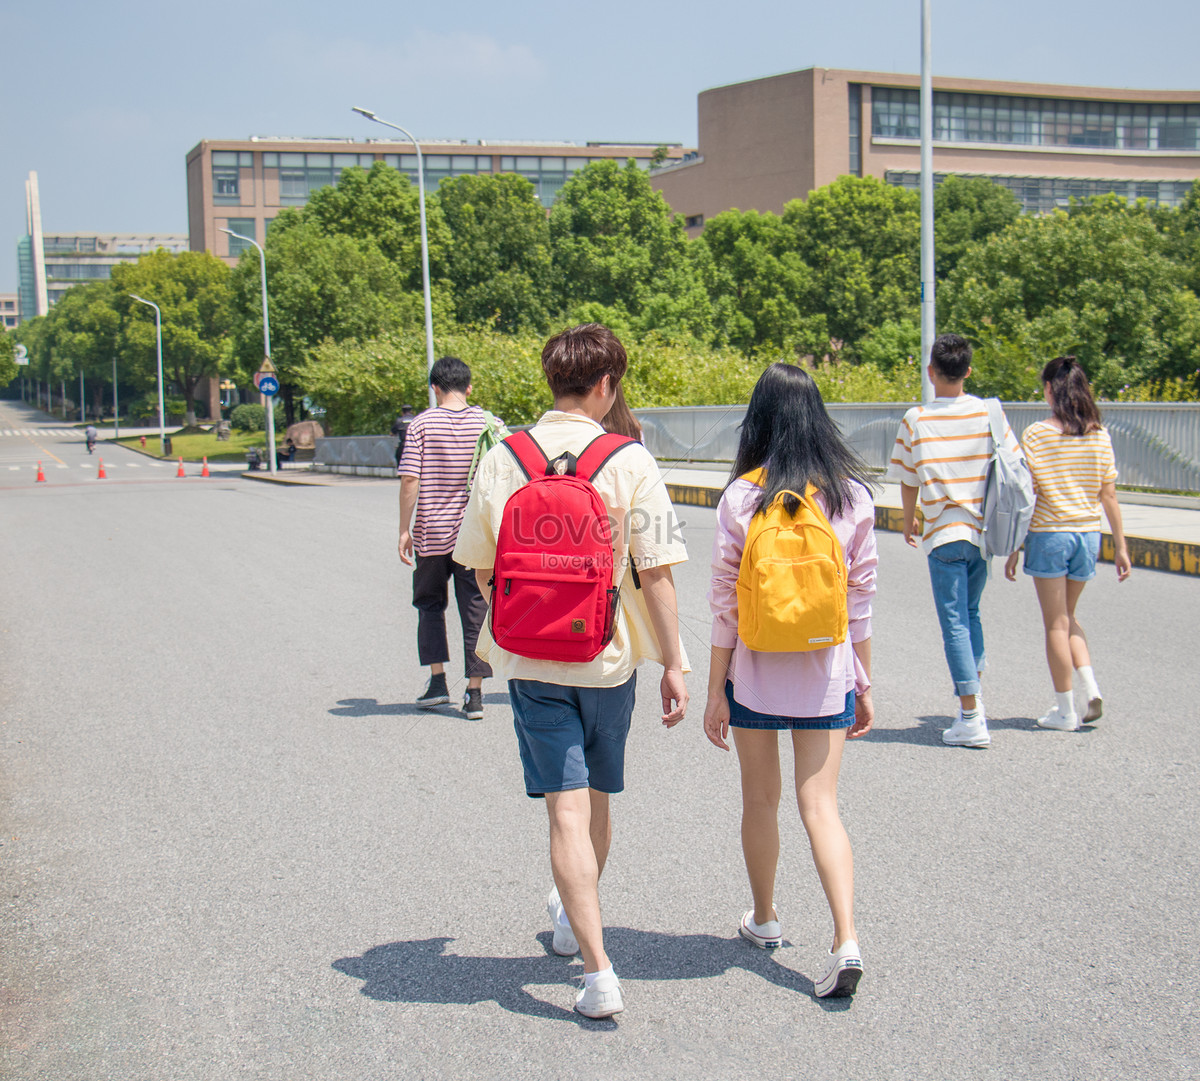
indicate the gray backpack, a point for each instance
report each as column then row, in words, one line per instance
column 1008, row 496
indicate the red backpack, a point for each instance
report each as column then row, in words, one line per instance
column 553, row 596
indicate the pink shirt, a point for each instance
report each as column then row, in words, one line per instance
column 793, row 684
column 438, row 448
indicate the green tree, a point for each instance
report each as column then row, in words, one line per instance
column 967, row 209
column 861, row 238
column 622, row 257
column 1098, row 284
column 381, row 208
column 763, row 293
column 9, row 369
column 498, row 262
column 86, row 333
column 193, row 291
column 319, row 287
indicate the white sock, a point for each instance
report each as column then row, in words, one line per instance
column 1066, row 703
column 1091, row 688
column 590, row 978
column 971, row 715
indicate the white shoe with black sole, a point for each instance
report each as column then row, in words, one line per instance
column 564, row 943
column 844, row 972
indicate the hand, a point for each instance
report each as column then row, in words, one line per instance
column 864, row 715
column 1124, row 566
column 912, row 535
column 716, row 721
column 405, row 548
column 1010, row 567
column 674, row 696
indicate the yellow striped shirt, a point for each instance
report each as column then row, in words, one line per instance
column 1068, row 471
column 943, row 448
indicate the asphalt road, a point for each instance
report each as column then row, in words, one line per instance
column 232, row 848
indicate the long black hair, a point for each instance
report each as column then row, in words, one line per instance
column 1071, row 394
column 789, row 433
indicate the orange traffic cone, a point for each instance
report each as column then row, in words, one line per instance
column 101, row 475
column 41, row 477
column 179, row 472
column 204, row 472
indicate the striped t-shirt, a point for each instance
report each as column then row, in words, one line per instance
column 943, row 448
column 438, row 449
column 1069, row 471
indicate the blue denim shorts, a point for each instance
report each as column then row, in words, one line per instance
column 571, row 737
column 1062, row 555
column 744, row 717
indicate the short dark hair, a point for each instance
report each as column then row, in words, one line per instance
column 575, row 360
column 450, row 374
column 951, row 356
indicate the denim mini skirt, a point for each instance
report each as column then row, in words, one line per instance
column 744, row 717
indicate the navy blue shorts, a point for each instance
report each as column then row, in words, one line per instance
column 572, row 737
column 744, row 717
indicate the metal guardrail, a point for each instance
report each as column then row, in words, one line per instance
column 1157, row 444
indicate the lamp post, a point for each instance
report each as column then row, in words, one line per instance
column 928, row 287
column 116, row 412
column 272, row 465
column 162, row 417
column 424, row 237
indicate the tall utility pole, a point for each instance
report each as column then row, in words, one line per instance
column 928, row 287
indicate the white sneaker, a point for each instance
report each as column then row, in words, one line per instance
column 1095, row 709
column 602, row 999
column 844, row 972
column 964, row 733
column 1059, row 721
column 763, row 935
column 564, row 943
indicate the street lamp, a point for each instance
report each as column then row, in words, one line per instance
column 424, row 238
column 162, row 416
column 272, row 465
column 928, row 284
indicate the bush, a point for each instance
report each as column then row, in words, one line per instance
column 249, row 418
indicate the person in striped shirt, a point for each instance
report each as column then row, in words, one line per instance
column 1071, row 458
column 941, row 456
column 439, row 446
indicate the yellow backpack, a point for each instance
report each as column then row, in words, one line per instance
column 791, row 586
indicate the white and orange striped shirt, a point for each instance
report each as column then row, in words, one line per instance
column 943, row 448
column 1068, row 471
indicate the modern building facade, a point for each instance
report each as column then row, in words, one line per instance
column 10, row 314
column 765, row 142
column 50, row 264
column 242, row 185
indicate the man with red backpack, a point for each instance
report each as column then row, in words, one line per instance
column 572, row 535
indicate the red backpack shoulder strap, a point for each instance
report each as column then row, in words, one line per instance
column 598, row 451
column 528, row 453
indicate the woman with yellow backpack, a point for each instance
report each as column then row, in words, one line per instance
column 793, row 577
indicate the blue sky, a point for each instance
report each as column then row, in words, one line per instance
column 105, row 100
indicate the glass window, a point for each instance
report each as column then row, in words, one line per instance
column 225, row 182
column 507, row 163
column 439, row 162
column 291, row 159
column 319, row 161
column 575, row 164
column 855, row 130
column 246, row 159
column 224, row 157
column 528, row 164
column 392, row 159
column 244, row 226
column 270, row 159
column 463, row 163
column 344, row 161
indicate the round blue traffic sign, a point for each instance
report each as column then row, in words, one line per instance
column 268, row 385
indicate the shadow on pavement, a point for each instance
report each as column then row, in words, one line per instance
column 927, row 732
column 422, row 970
column 372, row 707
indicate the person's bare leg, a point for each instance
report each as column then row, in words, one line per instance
column 576, row 872
column 1081, row 656
column 758, row 756
column 818, row 760
column 600, row 828
column 1052, row 596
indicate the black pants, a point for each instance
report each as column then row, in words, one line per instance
column 430, row 597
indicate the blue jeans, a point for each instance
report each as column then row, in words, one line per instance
column 958, row 573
